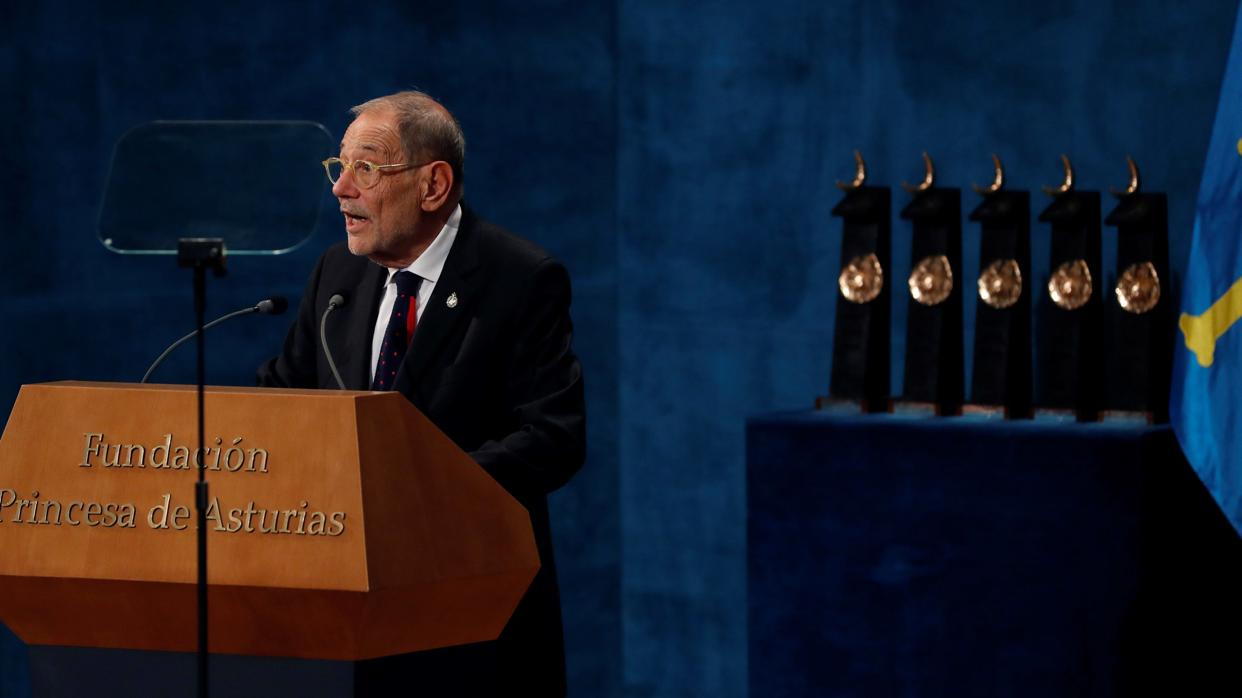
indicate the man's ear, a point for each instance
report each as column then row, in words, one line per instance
column 436, row 186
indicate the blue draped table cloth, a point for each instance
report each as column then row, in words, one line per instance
column 898, row 555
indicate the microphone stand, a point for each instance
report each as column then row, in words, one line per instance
column 201, row 254
column 268, row 306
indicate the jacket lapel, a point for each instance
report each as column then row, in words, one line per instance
column 441, row 315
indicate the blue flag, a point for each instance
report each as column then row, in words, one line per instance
column 1205, row 405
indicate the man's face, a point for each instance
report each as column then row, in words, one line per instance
column 381, row 223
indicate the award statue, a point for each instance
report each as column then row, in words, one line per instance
column 860, row 344
column 1140, row 347
column 1001, row 376
column 1070, row 347
column 934, row 317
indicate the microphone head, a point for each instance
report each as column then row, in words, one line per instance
column 337, row 300
column 273, row 306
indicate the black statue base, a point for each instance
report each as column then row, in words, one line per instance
column 860, row 363
column 934, row 355
column 1001, row 374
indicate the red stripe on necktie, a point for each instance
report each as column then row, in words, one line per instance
column 411, row 318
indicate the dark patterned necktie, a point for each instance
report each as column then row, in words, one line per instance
column 400, row 330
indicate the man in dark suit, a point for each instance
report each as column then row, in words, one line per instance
column 485, row 317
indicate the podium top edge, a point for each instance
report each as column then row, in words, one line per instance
column 212, row 389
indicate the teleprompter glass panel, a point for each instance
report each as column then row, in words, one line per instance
column 257, row 185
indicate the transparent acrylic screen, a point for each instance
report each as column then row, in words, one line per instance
column 258, row 185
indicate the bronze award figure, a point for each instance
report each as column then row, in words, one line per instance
column 860, row 351
column 1001, row 375
column 1070, row 341
column 934, row 373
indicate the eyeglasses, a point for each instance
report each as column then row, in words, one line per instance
column 366, row 173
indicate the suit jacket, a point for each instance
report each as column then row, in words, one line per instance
column 495, row 371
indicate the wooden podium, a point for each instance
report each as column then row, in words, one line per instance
column 343, row 525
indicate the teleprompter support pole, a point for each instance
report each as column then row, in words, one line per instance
column 201, row 254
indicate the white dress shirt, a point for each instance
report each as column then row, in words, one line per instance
column 427, row 267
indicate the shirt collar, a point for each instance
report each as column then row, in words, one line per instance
column 430, row 263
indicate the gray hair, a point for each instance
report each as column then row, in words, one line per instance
column 428, row 131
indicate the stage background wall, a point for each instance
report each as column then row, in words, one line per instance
column 533, row 86
column 680, row 157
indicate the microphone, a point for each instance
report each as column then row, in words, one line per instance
column 272, row 306
column 268, row 306
column 337, row 300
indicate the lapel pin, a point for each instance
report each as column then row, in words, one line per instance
column 452, row 300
